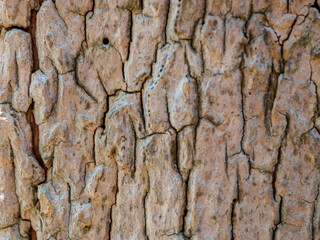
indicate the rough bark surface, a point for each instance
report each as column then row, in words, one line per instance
column 159, row 119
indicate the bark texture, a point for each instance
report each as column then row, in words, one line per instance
column 159, row 119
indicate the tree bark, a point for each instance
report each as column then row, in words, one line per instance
column 159, row 119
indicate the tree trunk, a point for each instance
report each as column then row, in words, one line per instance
column 159, row 119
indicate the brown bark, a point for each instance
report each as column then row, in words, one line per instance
column 159, row 119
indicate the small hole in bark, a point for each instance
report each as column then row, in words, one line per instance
column 86, row 229
column 105, row 41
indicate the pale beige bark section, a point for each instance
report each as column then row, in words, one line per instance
column 159, row 119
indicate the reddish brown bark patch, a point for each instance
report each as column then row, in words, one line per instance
column 33, row 234
column 32, row 30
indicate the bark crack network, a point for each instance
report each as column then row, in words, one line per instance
column 162, row 119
